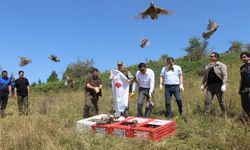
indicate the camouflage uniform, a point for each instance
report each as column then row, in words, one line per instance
column 91, row 97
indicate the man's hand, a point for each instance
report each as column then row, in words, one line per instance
column 160, row 87
column 150, row 96
column 132, row 95
column 111, row 77
column 223, row 88
column 97, row 90
column 181, row 87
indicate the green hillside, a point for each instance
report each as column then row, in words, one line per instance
column 53, row 114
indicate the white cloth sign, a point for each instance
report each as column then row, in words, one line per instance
column 120, row 89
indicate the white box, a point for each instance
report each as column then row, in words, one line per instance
column 85, row 124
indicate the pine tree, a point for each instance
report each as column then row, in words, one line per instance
column 53, row 77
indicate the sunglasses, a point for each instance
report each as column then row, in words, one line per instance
column 243, row 57
column 212, row 56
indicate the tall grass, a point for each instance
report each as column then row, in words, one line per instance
column 52, row 119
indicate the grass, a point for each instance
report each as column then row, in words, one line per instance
column 52, row 120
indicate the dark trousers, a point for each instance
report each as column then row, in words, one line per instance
column 169, row 91
column 22, row 102
column 91, row 105
column 214, row 89
column 245, row 100
column 3, row 103
column 143, row 94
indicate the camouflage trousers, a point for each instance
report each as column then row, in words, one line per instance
column 245, row 100
column 23, row 103
column 91, row 105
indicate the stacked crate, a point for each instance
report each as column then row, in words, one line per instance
column 131, row 127
column 124, row 128
column 86, row 124
column 155, row 130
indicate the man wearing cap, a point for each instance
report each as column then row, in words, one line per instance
column 130, row 77
column 125, row 71
column 145, row 78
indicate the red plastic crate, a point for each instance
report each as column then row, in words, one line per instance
column 104, row 128
column 123, row 129
column 155, row 130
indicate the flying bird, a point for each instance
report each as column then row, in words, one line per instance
column 153, row 11
column 24, row 61
column 144, row 42
column 54, row 58
column 211, row 27
column 69, row 81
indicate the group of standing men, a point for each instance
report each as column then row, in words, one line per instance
column 171, row 79
column 21, row 92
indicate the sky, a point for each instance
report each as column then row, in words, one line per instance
column 107, row 31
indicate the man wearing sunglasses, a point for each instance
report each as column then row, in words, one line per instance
column 244, row 90
column 145, row 78
column 214, row 81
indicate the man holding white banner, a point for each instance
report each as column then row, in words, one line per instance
column 128, row 78
column 120, row 89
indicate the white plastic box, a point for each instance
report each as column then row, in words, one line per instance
column 85, row 124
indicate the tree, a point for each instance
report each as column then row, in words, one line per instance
column 53, row 77
column 164, row 57
column 247, row 47
column 79, row 69
column 236, row 46
column 33, row 84
column 39, row 82
column 196, row 49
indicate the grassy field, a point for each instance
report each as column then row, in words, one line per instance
column 52, row 120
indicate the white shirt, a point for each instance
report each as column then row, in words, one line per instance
column 146, row 80
column 171, row 77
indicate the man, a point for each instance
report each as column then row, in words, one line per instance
column 22, row 92
column 214, row 81
column 130, row 78
column 124, row 70
column 93, row 88
column 145, row 78
column 244, row 90
column 172, row 79
column 5, row 91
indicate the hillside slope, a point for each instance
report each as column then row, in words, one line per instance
column 52, row 118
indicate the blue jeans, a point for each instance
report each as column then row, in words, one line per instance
column 169, row 91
